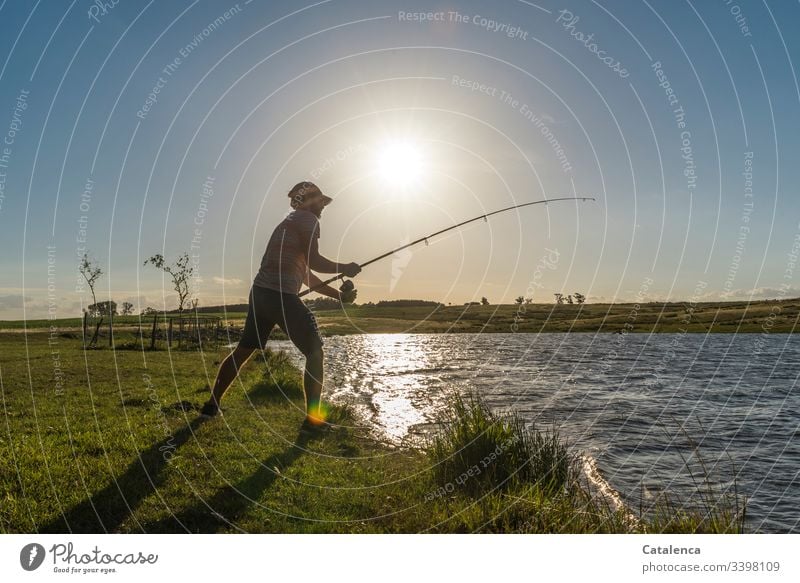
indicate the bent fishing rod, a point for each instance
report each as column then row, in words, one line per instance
column 425, row 238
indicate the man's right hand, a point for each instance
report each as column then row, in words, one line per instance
column 351, row 269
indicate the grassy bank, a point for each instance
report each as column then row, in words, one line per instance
column 100, row 441
column 652, row 317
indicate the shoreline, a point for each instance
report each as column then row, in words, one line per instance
column 491, row 475
column 131, row 329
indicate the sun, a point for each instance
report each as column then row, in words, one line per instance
column 399, row 163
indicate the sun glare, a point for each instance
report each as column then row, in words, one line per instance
column 399, row 163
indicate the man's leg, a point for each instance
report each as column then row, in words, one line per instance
column 228, row 371
column 301, row 328
column 312, row 385
column 257, row 327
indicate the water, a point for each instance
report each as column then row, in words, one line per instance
column 639, row 406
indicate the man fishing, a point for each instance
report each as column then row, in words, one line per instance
column 291, row 255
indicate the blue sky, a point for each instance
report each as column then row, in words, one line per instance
column 504, row 102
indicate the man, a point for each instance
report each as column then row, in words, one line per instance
column 291, row 254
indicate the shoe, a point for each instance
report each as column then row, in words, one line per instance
column 210, row 410
column 316, row 427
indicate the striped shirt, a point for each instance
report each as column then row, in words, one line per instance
column 285, row 262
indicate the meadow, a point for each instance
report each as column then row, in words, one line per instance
column 110, row 441
column 652, row 317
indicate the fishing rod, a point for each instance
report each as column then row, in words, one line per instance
column 425, row 239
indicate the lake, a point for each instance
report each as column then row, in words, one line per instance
column 640, row 407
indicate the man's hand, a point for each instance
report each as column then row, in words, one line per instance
column 348, row 296
column 350, row 269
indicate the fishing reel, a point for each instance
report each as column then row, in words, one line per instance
column 347, row 291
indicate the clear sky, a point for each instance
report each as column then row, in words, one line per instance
column 169, row 127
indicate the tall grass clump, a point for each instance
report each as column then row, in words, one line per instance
column 280, row 381
column 717, row 513
column 478, row 451
column 708, row 507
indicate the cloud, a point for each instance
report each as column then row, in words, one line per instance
column 762, row 293
column 13, row 301
column 741, row 294
column 227, row 280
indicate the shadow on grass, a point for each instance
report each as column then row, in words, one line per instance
column 107, row 510
column 279, row 382
column 225, row 508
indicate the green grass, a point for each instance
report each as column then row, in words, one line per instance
column 480, row 451
column 116, row 446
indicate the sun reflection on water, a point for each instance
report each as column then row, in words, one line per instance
column 394, row 387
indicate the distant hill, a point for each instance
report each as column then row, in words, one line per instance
column 394, row 316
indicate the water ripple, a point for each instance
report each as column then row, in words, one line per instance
column 641, row 405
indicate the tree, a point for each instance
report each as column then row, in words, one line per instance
column 108, row 308
column 484, row 301
column 579, row 298
column 181, row 273
column 127, row 308
column 91, row 273
column 569, row 299
column 528, row 301
column 559, row 298
column 323, row 304
column 406, row 303
column 148, row 311
column 519, row 300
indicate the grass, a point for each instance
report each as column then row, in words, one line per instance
column 651, row 317
column 110, row 441
column 712, row 508
column 480, row 451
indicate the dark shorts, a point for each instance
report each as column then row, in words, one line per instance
column 270, row 307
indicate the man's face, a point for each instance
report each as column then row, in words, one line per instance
column 316, row 205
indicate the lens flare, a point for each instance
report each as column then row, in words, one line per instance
column 317, row 415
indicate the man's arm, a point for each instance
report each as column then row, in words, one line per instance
column 312, row 280
column 319, row 263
